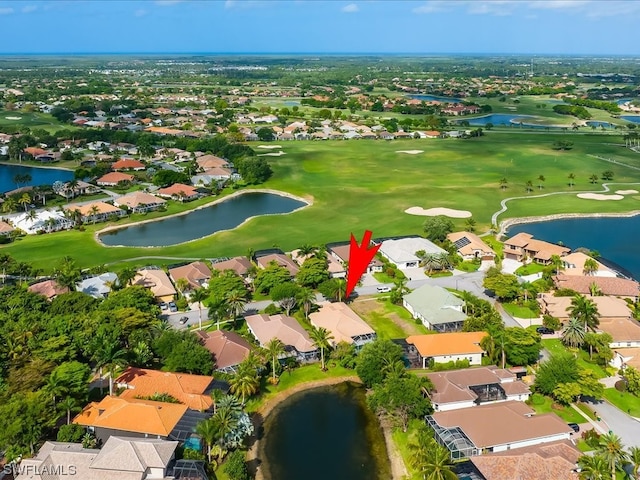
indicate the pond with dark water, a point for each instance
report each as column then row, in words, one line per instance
column 202, row 222
column 39, row 176
column 327, row 433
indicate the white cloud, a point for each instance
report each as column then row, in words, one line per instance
column 499, row 8
column 29, row 8
column 168, row 3
column 558, row 4
column 229, row 4
column 351, row 8
column 141, row 12
column 433, row 6
column 6, row 11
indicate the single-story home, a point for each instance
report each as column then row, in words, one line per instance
column 340, row 252
column 241, row 265
column 437, row 308
column 624, row 331
column 46, row 221
column 205, row 162
column 402, row 252
column 448, row 347
column 574, row 265
column 5, row 228
column 139, row 202
column 611, row 307
column 470, row 387
column 618, row 287
column 228, row 348
column 179, row 191
column 48, row 288
column 158, row 282
column 280, row 259
column 113, row 179
column 287, row 329
column 470, row 246
column 128, row 164
column 196, row 273
column 95, row 211
column 523, row 246
column 98, row 286
column 343, row 324
column 495, row 427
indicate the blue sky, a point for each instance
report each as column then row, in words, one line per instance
column 587, row 27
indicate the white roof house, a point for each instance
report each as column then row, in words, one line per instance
column 46, row 220
column 402, row 252
column 99, row 286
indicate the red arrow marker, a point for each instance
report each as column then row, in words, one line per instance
column 360, row 257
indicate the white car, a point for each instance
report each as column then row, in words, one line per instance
column 384, row 289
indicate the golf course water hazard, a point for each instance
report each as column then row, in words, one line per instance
column 324, row 433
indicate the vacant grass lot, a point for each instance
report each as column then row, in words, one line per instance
column 358, row 185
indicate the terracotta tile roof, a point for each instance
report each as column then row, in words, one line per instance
column 176, row 189
column 127, row 163
column 287, row 329
column 115, row 177
column 342, row 322
column 136, row 199
column 48, row 288
column 140, row 416
column 502, row 423
column 281, row 260
column 630, row 356
column 196, row 273
column 86, row 209
column 240, row 265
column 607, row 306
column 34, row 151
column 549, row 461
column 621, row 329
column 211, row 161
column 155, row 280
column 187, row 389
column 472, row 244
column 455, row 343
column 608, row 285
column 574, row 265
column 5, row 227
column 229, row 348
column 519, row 240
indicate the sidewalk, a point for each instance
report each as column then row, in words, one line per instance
column 600, row 426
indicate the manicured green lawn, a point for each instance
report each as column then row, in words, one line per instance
column 529, row 269
column 384, row 327
column 586, row 410
column 519, row 311
column 555, row 346
column 468, row 266
column 568, row 414
column 382, row 277
column 402, row 439
column 359, row 185
column 624, row 401
column 32, row 120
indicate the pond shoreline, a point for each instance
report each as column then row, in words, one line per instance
column 28, row 165
column 396, row 462
column 307, row 201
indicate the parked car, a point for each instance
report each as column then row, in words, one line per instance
column 173, row 307
column 384, row 289
column 574, row 426
column 163, row 306
column 183, row 320
column 544, row 331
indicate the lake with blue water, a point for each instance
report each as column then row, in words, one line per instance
column 615, row 238
column 200, row 223
column 631, row 118
column 435, row 98
column 327, row 433
column 598, row 124
column 39, row 176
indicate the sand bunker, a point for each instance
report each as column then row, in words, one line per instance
column 13, row 118
column 269, row 146
column 626, row 192
column 599, row 196
column 411, row 152
column 274, row 154
column 432, row 212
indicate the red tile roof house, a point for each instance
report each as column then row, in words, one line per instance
column 48, row 288
column 280, row 259
column 113, row 179
column 128, row 164
column 205, row 162
column 495, row 427
column 228, row 348
column 96, row 211
column 523, row 246
column 343, row 324
column 140, row 202
column 471, row 387
column 341, row 254
column 179, row 191
column 240, row 265
column 287, row 329
column 619, row 287
column 196, row 273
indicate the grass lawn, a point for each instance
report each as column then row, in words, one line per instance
column 529, row 269
column 33, row 120
column 468, row 266
column 555, row 346
column 401, row 440
column 367, row 185
column 388, row 320
column 568, row 414
column 382, row 277
column 519, row 311
column 586, row 410
column 583, row 446
column 624, row 401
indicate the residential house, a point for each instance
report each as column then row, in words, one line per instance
column 495, row 427
column 340, row 252
column 120, row 458
column 98, row 286
column 211, row 175
column 523, row 246
column 437, row 308
column 158, row 282
column 179, row 191
column 197, row 274
column 287, row 329
column 138, row 418
column 449, row 347
column 128, row 164
column 573, row 264
column 241, row 265
column 402, row 252
column 280, row 259
column 626, row 357
column 45, row 221
column 228, row 348
column 80, row 188
column 343, row 324
column 624, row 331
column 140, row 202
column 190, row 390
column 113, row 179
column 547, row 461
column 584, row 285
column 95, row 211
column 470, row 246
column 5, row 228
column 470, row 387
column 48, row 288
column 608, row 307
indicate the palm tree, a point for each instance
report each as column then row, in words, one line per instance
column 69, row 404
column 208, row 432
column 541, row 180
column 110, row 355
column 612, row 452
column 141, row 354
column 24, row 200
column 306, row 297
column 225, row 420
column 470, row 224
column 67, row 274
column 245, row 381
column 429, row 458
column 593, row 467
column 573, row 333
column 94, row 211
column 182, row 284
column 321, row 338
column 9, row 205
column 584, row 310
column 199, row 295
column 338, row 288
column 126, row 276
column 274, row 348
column 571, row 178
column 634, row 458
column 557, row 263
column 590, row 267
column 236, row 301
column 55, row 386
column 306, row 250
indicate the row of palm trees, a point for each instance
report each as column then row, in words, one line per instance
column 609, row 458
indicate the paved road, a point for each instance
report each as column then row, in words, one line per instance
column 623, row 425
column 194, row 316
